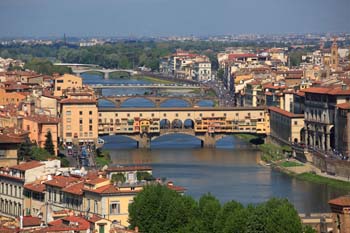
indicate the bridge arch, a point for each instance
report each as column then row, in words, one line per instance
column 188, row 124
column 187, row 134
column 90, row 71
column 139, row 101
column 164, row 124
column 176, row 124
column 175, row 102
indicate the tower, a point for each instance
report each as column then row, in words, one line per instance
column 334, row 54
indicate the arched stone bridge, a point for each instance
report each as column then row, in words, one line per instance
column 157, row 100
column 206, row 124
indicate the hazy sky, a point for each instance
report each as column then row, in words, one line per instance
column 170, row 17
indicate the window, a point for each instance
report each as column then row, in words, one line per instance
column 90, row 112
column 69, row 120
column 95, row 206
column 58, row 88
column 188, row 114
column 81, row 121
column 90, row 127
column 80, row 113
column 80, row 127
column 114, row 208
column 59, row 81
column 128, row 114
column 140, row 114
column 68, row 128
column 295, row 123
column 68, row 113
column 90, row 121
column 116, row 115
column 152, row 115
column 164, row 114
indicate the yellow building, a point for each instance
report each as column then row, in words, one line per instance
column 286, row 126
column 79, row 118
column 10, row 139
column 10, row 97
column 67, row 82
column 38, row 126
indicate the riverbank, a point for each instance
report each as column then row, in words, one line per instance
column 308, row 172
column 155, row 80
column 273, row 156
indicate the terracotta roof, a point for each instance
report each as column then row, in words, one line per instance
column 340, row 201
column 65, row 225
column 61, row 181
column 171, row 186
column 35, row 186
column 286, row 113
column 106, row 189
column 327, row 90
column 28, row 165
column 30, row 221
column 12, row 136
column 76, row 189
column 78, row 101
column 43, row 119
column 128, row 168
column 344, row 106
column 96, row 181
column 94, row 219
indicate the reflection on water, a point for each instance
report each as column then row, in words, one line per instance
column 230, row 171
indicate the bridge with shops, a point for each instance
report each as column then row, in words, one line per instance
column 157, row 101
column 207, row 124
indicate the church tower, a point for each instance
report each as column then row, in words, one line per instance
column 334, row 54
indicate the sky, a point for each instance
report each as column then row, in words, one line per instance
column 53, row 18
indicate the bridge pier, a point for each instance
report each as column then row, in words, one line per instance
column 106, row 75
column 144, row 142
column 208, row 141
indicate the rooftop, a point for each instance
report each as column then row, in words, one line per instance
column 340, row 201
column 28, row 165
column 286, row 113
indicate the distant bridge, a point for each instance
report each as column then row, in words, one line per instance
column 79, row 69
column 207, row 124
column 157, row 100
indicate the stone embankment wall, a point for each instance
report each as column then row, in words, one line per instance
column 331, row 166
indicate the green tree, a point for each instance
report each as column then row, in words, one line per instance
column 144, row 176
column 220, row 74
column 40, row 154
column 49, row 146
column 227, row 210
column 209, row 208
column 119, row 177
column 157, row 209
column 24, row 150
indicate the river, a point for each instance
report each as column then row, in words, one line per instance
column 230, row 171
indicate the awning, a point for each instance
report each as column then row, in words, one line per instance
column 68, row 140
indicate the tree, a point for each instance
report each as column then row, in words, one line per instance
column 49, row 147
column 119, row 177
column 220, row 74
column 157, row 209
column 144, row 176
column 39, row 154
column 24, row 150
column 209, row 208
